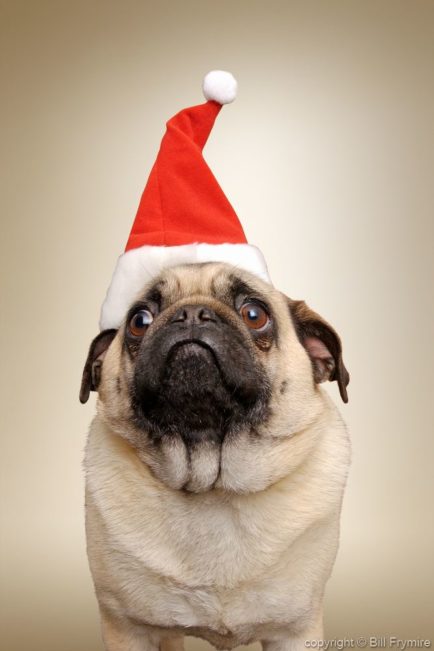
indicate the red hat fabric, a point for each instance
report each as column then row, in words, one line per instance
column 183, row 215
column 182, row 202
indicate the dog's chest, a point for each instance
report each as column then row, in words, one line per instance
column 220, row 572
column 230, row 617
column 224, row 568
column 226, row 616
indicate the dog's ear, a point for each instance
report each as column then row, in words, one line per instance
column 322, row 344
column 92, row 369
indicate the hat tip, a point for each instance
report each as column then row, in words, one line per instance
column 220, row 86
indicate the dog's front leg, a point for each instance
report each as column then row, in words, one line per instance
column 123, row 635
column 301, row 642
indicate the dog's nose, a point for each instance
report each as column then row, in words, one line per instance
column 194, row 314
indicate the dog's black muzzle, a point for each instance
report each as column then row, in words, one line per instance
column 197, row 372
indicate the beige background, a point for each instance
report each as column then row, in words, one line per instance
column 327, row 156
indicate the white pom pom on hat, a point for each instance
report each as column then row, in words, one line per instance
column 220, row 86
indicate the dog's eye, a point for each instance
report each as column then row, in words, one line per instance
column 254, row 316
column 140, row 323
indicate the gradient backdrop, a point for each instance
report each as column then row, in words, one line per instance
column 327, row 156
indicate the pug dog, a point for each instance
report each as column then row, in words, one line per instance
column 215, row 466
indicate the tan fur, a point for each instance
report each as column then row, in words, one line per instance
column 245, row 552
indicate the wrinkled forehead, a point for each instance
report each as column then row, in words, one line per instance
column 216, row 279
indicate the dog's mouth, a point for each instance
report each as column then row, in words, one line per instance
column 197, row 349
column 198, row 384
column 192, row 394
column 192, row 391
column 192, row 366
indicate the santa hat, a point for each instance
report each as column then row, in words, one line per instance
column 183, row 215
